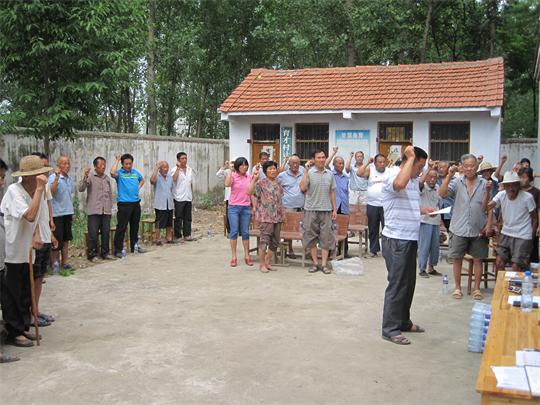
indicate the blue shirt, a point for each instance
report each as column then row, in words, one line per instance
column 128, row 185
column 357, row 183
column 342, row 192
column 292, row 195
column 163, row 198
column 61, row 202
column 446, row 201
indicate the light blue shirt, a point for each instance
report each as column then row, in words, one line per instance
column 292, row 195
column 61, row 202
column 357, row 183
column 342, row 191
column 163, row 199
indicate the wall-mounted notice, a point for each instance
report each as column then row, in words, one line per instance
column 285, row 141
column 352, row 140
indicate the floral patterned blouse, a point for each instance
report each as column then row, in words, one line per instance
column 269, row 204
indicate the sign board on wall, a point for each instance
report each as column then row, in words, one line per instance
column 352, row 140
column 285, row 141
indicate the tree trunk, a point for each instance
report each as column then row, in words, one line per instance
column 493, row 7
column 423, row 50
column 150, row 72
column 350, row 38
column 47, row 145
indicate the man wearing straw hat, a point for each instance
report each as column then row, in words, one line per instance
column 21, row 206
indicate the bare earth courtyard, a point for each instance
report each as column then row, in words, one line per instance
column 177, row 325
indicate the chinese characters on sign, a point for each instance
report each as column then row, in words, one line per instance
column 285, row 140
column 352, row 140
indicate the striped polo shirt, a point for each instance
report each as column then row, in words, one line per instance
column 401, row 210
column 320, row 185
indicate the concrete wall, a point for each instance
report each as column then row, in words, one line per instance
column 517, row 149
column 485, row 130
column 205, row 156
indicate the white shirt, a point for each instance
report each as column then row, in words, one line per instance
column 516, row 214
column 182, row 188
column 19, row 232
column 375, row 185
column 221, row 175
column 43, row 217
column 401, row 210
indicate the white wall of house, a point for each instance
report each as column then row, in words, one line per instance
column 484, row 139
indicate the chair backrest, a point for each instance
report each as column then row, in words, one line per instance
column 342, row 222
column 358, row 215
column 291, row 222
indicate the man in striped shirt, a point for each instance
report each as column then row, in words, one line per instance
column 401, row 202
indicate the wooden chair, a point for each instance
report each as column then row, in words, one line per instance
column 290, row 230
column 255, row 232
column 486, row 275
column 147, row 229
column 111, row 241
column 358, row 222
column 342, row 222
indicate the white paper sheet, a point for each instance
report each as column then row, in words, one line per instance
column 443, row 211
column 512, row 378
column 533, row 374
column 517, row 298
column 527, row 358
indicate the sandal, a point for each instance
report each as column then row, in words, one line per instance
column 457, row 294
column 434, row 273
column 234, row 262
column 477, row 295
column 313, row 269
column 31, row 336
column 20, row 342
column 6, row 358
column 48, row 318
column 398, row 340
column 326, row 270
column 248, row 261
column 263, row 269
column 415, row 329
column 42, row 322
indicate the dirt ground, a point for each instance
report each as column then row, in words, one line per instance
column 178, row 325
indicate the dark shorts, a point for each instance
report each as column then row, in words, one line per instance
column 318, row 229
column 63, row 233
column 458, row 246
column 514, row 250
column 164, row 218
column 42, row 260
column 269, row 236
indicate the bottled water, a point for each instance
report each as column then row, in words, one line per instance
column 301, row 226
column 445, row 284
column 136, row 248
column 527, row 293
column 123, row 253
column 56, row 267
column 440, row 255
column 478, row 327
column 209, row 232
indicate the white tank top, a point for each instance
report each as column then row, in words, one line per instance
column 375, row 185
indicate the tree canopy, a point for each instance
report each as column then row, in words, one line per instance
column 165, row 66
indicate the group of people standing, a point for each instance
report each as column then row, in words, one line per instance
column 36, row 218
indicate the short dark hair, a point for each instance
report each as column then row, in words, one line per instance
column 528, row 171
column 295, row 154
column 378, row 155
column 419, row 153
column 180, row 154
column 268, row 164
column 40, row 155
column 3, row 165
column 239, row 162
column 126, row 156
column 316, row 152
column 525, row 160
column 96, row 160
column 263, row 153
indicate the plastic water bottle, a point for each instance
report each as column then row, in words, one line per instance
column 527, row 293
column 445, row 284
column 301, row 226
column 209, row 232
column 123, row 253
column 440, row 256
column 56, row 267
column 478, row 327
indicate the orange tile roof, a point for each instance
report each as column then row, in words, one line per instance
column 432, row 85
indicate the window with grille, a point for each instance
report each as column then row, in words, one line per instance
column 310, row 137
column 449, row 140
column 265, row 132
column 395, row 131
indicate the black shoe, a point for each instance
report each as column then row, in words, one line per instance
column 423, row 274
column 434, row 273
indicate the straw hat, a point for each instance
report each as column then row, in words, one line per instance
column 510, row 177
column 31, row 166
column 485, row 166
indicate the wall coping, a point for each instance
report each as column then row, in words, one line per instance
column 519, row 140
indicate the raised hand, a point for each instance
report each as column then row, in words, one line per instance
column 351, row 154
column 480, row 158
column 431, row 163
column 504, row 158
column 86, row 172
column 371, row 160
column 309, row 163
column 335, row 149
column 453, row 170
column 117, row 156
column 41, row 180
column 409, row 152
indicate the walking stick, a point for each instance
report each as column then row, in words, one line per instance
column 33, row 294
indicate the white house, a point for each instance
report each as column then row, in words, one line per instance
column 446, row 108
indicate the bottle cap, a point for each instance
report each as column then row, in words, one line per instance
column 527, row 273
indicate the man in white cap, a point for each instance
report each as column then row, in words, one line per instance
column 21, row 207
column 520, row 222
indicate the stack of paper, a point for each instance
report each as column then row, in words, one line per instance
column 511, row 378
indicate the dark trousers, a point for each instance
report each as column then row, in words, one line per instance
column 98, row 224
column 400, row 258
column 534, row 253
column 128, row 213
column 375, row 217
column 182, row 219
column 16, row 299
column 446, row 223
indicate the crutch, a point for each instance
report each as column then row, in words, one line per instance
column 33, row 293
